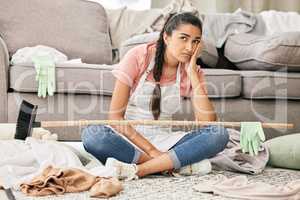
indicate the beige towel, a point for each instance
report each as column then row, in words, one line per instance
column 106, row 187
column 239, row 187
column 59, row 181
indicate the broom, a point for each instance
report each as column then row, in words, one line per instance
column 27, row 114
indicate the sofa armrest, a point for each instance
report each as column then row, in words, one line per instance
column 4, row 65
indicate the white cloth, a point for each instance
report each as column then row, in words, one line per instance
column 7, row 131
column 218, row 27
column 179, row 6
column 25, row 55
column 163, row 138
column 239, row 187
column 278, row 22
column 22, row 160
column 174, row 7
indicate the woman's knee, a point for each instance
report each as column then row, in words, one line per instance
column 219, row 136
column 93, row 135
column 103, row 142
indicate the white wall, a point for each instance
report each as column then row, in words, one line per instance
column 131, row 4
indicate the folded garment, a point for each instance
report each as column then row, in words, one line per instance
column 239, row 187
column 59, row 181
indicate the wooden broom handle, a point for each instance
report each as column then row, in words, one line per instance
column 47, row 124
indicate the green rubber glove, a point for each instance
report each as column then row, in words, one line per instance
column 51, row 78
column 252, row 134
column 41, row 75
column 45, row 74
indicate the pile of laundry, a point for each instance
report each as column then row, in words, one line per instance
column 41, row 166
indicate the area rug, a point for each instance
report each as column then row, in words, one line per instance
column 162, row 187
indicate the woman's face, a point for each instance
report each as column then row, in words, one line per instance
column 182, row 42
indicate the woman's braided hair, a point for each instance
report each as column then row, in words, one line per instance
column 171, row 24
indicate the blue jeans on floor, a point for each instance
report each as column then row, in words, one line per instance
column 102, row 142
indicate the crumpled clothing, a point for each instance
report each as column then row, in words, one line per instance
column 239, row 187
column 176, row 6
column 233, row 159
column 57, row 181
column 25, row 55
column 218, row 27
column 22, row 160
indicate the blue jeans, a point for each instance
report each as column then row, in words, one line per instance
column 102, row 142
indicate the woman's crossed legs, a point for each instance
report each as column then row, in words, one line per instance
column 103, row 142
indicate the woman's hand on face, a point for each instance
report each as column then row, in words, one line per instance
column 192, row 67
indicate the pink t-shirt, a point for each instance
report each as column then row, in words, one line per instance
column 135, row 62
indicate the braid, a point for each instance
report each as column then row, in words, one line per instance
column 157, row 72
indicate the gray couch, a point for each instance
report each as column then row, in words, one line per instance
column 80, row 29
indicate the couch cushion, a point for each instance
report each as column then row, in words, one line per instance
column 77, row 28
column 70, row 78
column 222, row 83
column 209, row 55
column 257, row 52
column 98, row 79
column 270, row 85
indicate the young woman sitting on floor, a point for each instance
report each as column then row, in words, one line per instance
column 151, row 81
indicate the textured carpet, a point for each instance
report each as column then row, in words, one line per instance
column 162, row 187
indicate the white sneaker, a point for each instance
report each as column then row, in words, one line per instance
column 122, row 171
column 200, row 168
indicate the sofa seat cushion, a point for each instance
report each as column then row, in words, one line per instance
column 259, row 52
column 70, row 78
column 222, row 83
column 76, row 28
column 270, row 85
column 98, row 79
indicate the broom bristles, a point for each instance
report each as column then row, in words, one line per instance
column 25, row 120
